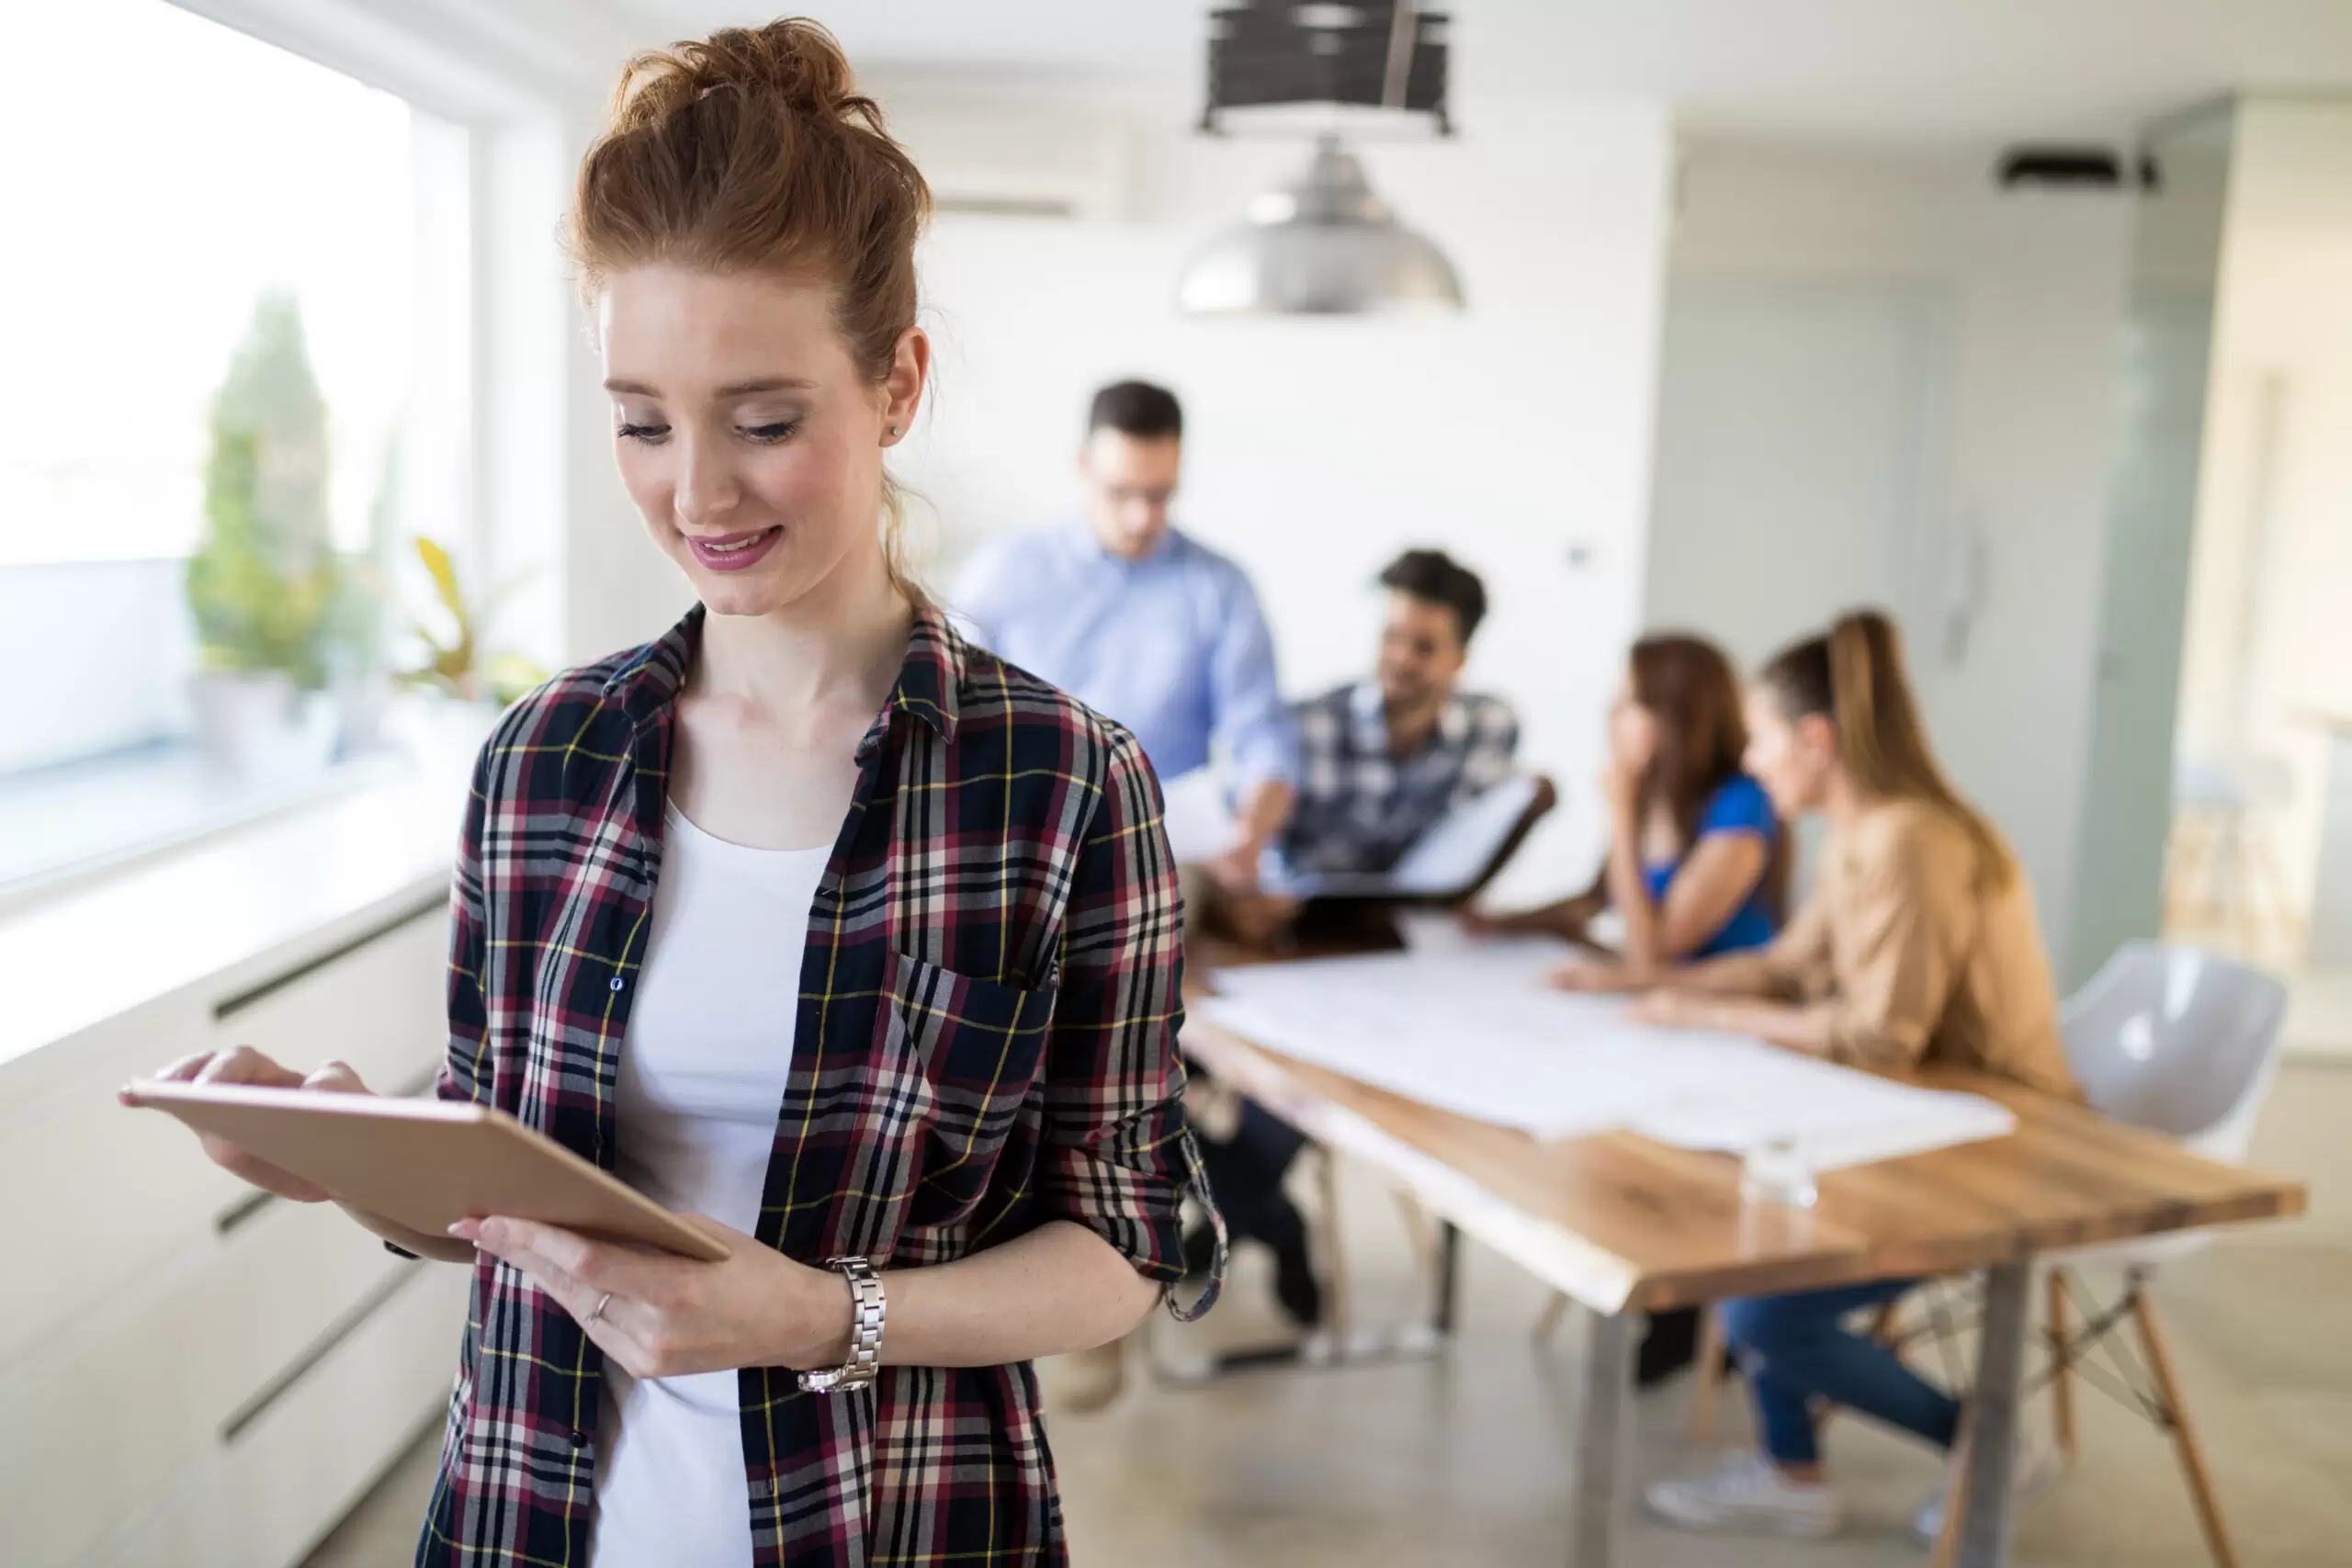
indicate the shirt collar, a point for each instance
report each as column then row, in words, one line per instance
column 1370, row 716
column 1453, row 723
column 1079, row 534
column 929, row 685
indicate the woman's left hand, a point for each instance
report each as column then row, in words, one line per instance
column 668, row 1315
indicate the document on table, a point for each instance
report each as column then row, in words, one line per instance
column 1473, row 1031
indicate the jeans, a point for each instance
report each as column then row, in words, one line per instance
column 1246, row 1173
column 1797, row 1347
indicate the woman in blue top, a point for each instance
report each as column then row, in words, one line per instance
column 1694, row 867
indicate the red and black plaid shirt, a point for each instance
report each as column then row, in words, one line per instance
column 986, row 1041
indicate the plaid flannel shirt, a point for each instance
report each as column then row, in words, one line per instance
column 1359, row 808
column 985, row 1040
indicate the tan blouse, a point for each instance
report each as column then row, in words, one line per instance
column 1914, row 964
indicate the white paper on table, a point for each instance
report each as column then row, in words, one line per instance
column 1199, row 818
column 1474, row 1031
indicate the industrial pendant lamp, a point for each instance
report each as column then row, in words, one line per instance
column 1323, row 244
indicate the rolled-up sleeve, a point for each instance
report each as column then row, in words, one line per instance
column 1118, row 1155
column 1246, row 693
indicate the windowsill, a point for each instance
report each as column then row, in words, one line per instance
column 65, row 828
column 61, row 827
column 236, row 907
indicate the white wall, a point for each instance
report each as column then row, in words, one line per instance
column 1317, row 449
column 2267, row 635
column 2023, row 295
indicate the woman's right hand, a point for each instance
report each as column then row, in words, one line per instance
column 1480, row 922
column 1477, row 923
column 247, row 1065
column 1594, row 976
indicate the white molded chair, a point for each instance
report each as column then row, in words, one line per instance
column 2184, row 1043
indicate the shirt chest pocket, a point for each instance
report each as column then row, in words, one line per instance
column 967, row 1053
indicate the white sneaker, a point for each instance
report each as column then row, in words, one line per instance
column 2035, row 1470
column 1749, row 1494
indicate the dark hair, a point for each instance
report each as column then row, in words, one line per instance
column 1138, row 409
column 1687, row 685
column 1440, row 579
column 1854, row 677
column 753, row 150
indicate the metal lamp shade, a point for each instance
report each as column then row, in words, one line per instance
column 1321, row 245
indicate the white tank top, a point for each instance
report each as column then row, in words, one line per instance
column 701, row 1084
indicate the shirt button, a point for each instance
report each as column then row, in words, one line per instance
column 616, row 982
column 579, row 1440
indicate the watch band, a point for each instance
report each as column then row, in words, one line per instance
column 864, row 1332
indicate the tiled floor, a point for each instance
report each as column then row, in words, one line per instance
column 1462, row 1460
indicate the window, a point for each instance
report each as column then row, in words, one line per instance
column 229, row 262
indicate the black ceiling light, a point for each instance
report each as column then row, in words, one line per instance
column 1376, row 54
column 1323, row 244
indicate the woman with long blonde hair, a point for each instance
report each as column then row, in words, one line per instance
column 1918, row 944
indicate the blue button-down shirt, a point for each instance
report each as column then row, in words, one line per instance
column 1172, row 646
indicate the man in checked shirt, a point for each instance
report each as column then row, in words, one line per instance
column 1380, row 761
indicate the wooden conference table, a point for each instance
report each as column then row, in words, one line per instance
column 1624, row 1225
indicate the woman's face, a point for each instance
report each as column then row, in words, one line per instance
column 1790, row 760
column 746, row 436
column 1633, row 730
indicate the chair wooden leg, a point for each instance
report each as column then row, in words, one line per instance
column 1707, row 1375
column 2062, row 1367
column 1555, row 1310
column 2184, row 1435
column 1335, row 1274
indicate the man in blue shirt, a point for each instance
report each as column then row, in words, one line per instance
column 1145, row 624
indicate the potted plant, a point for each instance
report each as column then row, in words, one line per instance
column 452, row 634
column 263, row 582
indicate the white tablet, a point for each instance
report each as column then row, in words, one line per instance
column 426, row 1164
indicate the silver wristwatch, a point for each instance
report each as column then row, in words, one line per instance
column 864, row 1332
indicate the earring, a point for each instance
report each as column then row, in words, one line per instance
column 894, row 432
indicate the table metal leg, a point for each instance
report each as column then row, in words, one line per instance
column 1449, row 1251
column 1603, row 1441
column 1993, row 1417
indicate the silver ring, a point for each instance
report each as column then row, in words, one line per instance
column 603, row 1301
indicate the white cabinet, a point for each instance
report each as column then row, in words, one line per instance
column 188, row 1375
